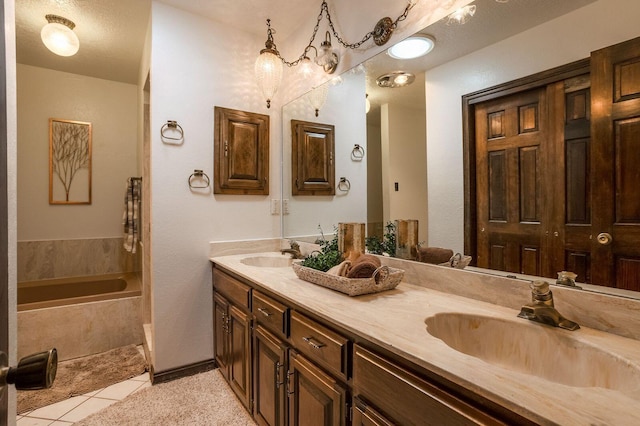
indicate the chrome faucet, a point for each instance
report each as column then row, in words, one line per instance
column 294, row 250
column 541, row 308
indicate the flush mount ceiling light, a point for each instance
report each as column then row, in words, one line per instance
column 59, row 37
column 395, row 79
column 412, row 47
column 269, row 74
column 462, row 15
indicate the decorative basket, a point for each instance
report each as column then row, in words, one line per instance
column 457, row 261
column 385, row 278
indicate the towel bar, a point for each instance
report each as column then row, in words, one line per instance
column 169, row 127
column 198, row 174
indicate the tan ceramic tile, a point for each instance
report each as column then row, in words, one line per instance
column 119, row 391
column 93, row 405
column 31, row 421
column 57, row 410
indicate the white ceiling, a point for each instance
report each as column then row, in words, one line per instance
column 493, row 21
column 112, row 32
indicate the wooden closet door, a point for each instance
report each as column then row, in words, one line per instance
column 511, row 144
column 615, row 129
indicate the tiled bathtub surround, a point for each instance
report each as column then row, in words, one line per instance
column 70, row 258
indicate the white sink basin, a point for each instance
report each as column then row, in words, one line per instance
column 268, row 261
column 535, row 349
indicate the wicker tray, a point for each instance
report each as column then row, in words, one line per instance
column 386, row 278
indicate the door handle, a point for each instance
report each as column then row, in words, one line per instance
column 36, row 371
column 605, row 238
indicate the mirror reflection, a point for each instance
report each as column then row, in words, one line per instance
column 502, row 43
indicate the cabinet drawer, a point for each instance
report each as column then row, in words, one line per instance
column 232, row 289
column 326, row 347
column 270, row 313
column 409, row 399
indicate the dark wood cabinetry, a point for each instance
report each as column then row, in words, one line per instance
column 315, row 397
column 312, row 158
column 232, row 326
column 407, row 398
column 241, row 150
column 289, row 367
column 269, row 378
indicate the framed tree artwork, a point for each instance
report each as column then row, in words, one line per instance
column 69, row 162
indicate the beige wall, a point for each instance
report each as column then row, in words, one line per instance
column 111, row 107
column 404, row 160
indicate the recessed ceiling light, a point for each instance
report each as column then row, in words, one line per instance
column 395, row 79
column 412, row 47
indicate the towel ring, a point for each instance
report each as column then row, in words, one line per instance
column 198, row 174
column 344, row 185
column 357, row 154
column 171, row 125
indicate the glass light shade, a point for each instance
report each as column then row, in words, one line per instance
column 306, row 68
column 325, row 55
column 318, row 96
column 60, row 39
column 268, row 69
column 412, row 47
column 462, row 15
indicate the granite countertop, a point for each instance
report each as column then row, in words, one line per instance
column 395, row 320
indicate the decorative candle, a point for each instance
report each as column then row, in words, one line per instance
column 406, row 239
column 351, row 239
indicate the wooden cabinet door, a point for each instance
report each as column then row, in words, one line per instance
column 511, row 143
column 315, row 398
column 241, row 152
column 269, row 375
column 615, row 128
column 220, row 335
column 312, row 158
column 239, row 354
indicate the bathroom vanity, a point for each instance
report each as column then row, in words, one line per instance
column 297, row 353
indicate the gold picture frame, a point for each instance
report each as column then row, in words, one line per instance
column 69, row 162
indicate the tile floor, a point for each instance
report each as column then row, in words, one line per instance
column 77, row 408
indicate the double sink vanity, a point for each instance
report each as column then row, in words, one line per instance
column 445, row 347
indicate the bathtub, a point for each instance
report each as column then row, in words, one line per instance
column 79, row 316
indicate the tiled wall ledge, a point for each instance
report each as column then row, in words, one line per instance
column 228, row 248
column 613, row 314
column 70, row 258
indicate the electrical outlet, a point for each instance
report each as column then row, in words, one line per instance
column 285, row 206
column 275, row 206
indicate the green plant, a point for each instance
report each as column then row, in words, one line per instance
column 386, row 245
column 325, row 259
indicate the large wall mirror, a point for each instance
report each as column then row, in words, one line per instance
column 413, row 135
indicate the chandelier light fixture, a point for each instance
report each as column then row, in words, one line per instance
column 269, row 65
column 462, row 15
column 58, row 36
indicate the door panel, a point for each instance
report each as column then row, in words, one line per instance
column 239, row 355
column 615, row 75
column 269, row 373
column 4, row 238
column 511, row 139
